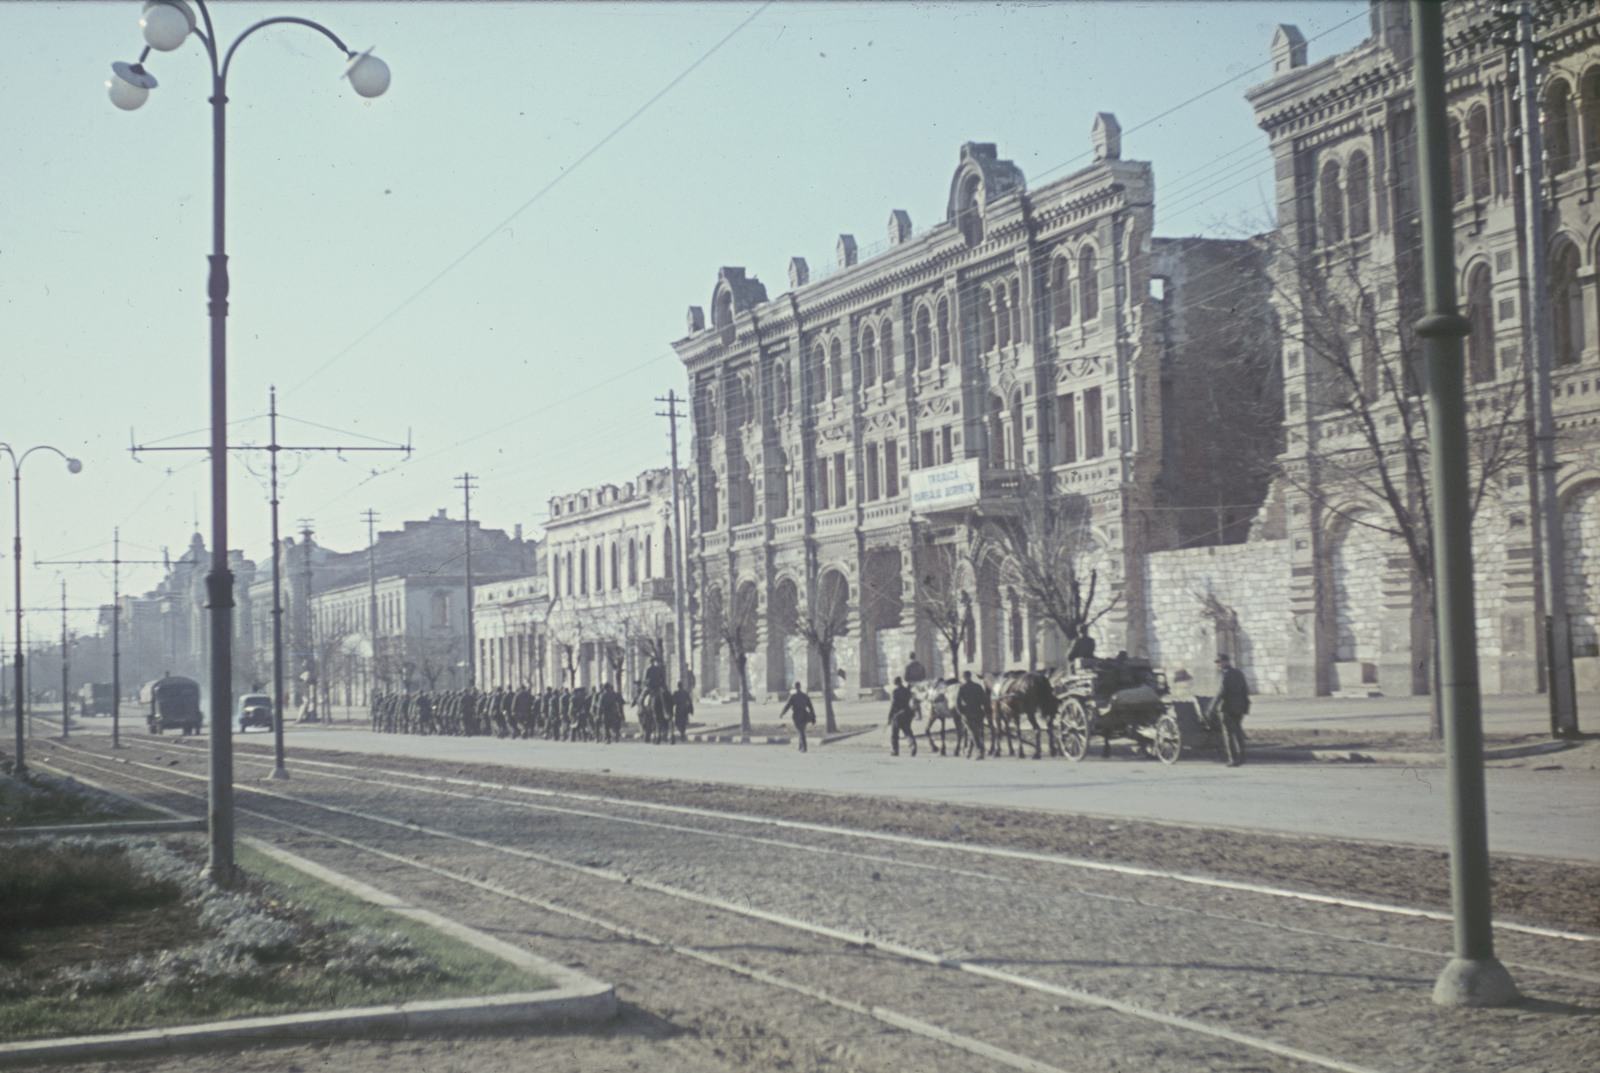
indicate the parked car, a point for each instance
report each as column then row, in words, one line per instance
column 254, row 710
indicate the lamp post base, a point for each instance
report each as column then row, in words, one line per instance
column 279, row 772
column 1466, row 982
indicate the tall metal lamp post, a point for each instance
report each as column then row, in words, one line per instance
column 73, row 466
column 167, row 24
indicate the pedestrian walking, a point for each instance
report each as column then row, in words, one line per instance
column 972, row 705
column 1232, row 704
column 799, row 708
column 901, row 713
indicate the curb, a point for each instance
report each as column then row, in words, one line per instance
column 576, row 999
column 118, row 827
column 1406, row 759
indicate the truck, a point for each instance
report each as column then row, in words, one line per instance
column 172, row 702
column 94, row 698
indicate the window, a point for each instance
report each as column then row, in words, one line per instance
column 708, row 501
column 1358, row 193
column 1370, row 354
column 925, row 455
column 886, row 351
column 819, row 374
column 583, row 572
column 1560, row 128
column 1480, row 339
column 1458, row 173
column 1332, row 204
column 1016, row 312
column 944, row 332
column 599, row 568
column 841, row 495
column 997, row 432
column 947, row 434
column 1088, row 284
column 666, row 549
column 1591, row 115
column 891, row 468
column 633, row 561
column 649, row 558
column 1478, row 152
column 872, row 472
column 968, row 215
column 569, row 573
column 1093, row 424
column 1066, row 429
column 985, row 315
column 1061, row 292
column 869, row 358
column 1566, row 301
column 1002, row 316
column 923, row 340
column 822, row 484
column 836, row 370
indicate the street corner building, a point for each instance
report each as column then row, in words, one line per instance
column 851, row 434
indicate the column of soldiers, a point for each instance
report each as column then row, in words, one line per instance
column 552, row 714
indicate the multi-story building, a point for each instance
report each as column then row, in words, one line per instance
column 844, row 430
column 1343, row 138
column 608, row 554
column 509, row 621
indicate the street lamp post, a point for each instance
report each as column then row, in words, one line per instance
column 73, row 466
column 167, row 24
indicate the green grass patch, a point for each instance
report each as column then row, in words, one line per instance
column 37, row 799
column 167, row 950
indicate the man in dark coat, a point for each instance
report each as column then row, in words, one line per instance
column 972, row 705
column 682, row 709
column 901, row 713
column 1232, row 703
column 799, row 708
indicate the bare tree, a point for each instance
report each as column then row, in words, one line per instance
column 825, row 620
column 1364, row 399
column 739, row 634
column 941, row 602
column 1043, row 547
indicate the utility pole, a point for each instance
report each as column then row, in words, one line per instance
column 1474, row 976
column 370, row 516
column 464, row 482
column 308, row 655
column 116, row 563
column 680, row 579
column 66, row 712
column 1558, row 624
column 273, row 449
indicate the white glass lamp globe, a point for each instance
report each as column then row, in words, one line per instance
column 166, row 23
column 368, row 75
column 129, row 85
column 74, row 466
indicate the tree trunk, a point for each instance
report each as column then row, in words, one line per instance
column 744, row 696
column 955, row 659
column 830, row 724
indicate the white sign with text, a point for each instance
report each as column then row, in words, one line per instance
column 947, row 487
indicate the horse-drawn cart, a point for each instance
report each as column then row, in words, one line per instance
column 1125, row 699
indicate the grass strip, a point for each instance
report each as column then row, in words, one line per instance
column 352, row 963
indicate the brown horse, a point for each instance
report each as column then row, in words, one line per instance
column 1025, row 693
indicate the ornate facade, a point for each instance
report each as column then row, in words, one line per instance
column 1030, row 333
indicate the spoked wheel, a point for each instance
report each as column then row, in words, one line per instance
column 1169, row 739
column 1074, row 729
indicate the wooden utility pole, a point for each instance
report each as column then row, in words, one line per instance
column 464, row 482
column 679, row 578
column 370, row 516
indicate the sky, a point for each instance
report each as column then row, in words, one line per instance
column 492, row 259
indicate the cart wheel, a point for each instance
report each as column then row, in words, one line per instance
column 1169, row 739
column 1075, row 729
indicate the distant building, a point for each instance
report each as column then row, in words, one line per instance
column 609, row 565
column 509, row 619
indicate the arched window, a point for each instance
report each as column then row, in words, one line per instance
column 1002, row 316
column 616, row 565
column 836, row 370
column 583, row 572
column 1480, row 316
column 944, row 332
column 569, row 573
column 1017, row 452
column 1560, row 128
column 1589, row 99
column 1332, row 204
column 985, row 314
column 819, row 374
column 1358, row 192
column 886, row 350
column 1088, row 284
column 666, row 552
column 599, row 568
column 1566, row 302
column 1370, row 352
column 1478, row 152
column 1016, row 312
column 649, row 557
column 633, row 560
column 924, row 338
column 997, row 432
column 969, row 217
column 1061, row 291
column 782, row 387
column 1458, row 166
column 869, row 358
column 722, row 315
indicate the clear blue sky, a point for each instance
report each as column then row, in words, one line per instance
column 532, row 362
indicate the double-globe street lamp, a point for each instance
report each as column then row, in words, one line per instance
column 73, row 466
column 167, row 24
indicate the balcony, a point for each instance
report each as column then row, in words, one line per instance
column 656, row 588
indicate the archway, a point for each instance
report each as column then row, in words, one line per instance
column 1580, row 524
column 830, row 618
column 1357, row 558
column 786, row 649
column 711, row 641
column 882, row 607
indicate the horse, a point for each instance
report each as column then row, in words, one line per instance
column 1025, row 693
column 655, row 724
column 932, row 697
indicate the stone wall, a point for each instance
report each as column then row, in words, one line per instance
column 1251, row 580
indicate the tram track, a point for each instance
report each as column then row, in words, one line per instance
column 903, row 952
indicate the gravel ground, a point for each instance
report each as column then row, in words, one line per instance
column 1260, row 966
